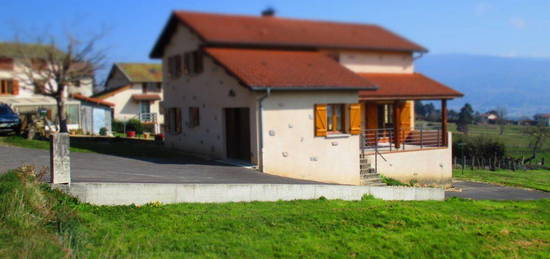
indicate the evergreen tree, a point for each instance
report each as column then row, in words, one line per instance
column 465, row 118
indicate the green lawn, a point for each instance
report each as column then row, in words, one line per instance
column 534, row 179
column 318, row 228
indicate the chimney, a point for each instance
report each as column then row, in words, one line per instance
column 268, row 12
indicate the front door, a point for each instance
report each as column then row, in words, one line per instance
column 237, row 133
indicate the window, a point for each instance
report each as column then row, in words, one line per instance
column 194, row 119
column 174, row 66
column 173, row 120
column 145, row 107
column 151, row 87
column 72, row 114
column 193, row 63
column 336, row 118
column 385, row 116
column 9, row 87
column 190, row 63
column 331, row 118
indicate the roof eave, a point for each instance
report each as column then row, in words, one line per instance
column 313, row 88
column 410, row 97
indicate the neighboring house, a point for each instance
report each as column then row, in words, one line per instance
column 489, row 117
column 543, row 119
column 17, row 91
column 322, row 101
column 95, row 114
column 136, row 91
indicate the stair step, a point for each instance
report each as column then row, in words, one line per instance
column 376, row 184
column 370, row 175
column 374, row 180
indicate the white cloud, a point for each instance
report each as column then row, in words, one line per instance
column 518, row 23
column 482, row 8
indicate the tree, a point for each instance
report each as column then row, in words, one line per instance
column 419, row 110
column 465, row 118
column 538, row 135
column 501, row 112
column 50, row 70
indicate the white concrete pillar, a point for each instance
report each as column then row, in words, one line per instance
column 60, row 162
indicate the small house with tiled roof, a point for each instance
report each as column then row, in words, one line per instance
column 135, row 89
column 316, row 100
column 17, row 91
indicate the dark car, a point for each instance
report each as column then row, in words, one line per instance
column 9, row 121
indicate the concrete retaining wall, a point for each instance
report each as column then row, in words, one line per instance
column 141, row 193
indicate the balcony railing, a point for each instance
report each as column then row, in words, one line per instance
column 386, row 140
column 150, row 117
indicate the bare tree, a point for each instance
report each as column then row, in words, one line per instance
column 501, row 113
column 538, row 136
column 50, row 68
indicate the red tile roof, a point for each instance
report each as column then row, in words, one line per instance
column 248, row 31
column 406, row 86
column 92, row 100
column 145, row 97
column 280, row 69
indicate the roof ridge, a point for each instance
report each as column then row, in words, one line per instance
column 277, row 18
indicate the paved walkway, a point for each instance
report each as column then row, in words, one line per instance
column 91, row 167
column 485, row 191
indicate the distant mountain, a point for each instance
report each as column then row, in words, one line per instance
column 522, row 85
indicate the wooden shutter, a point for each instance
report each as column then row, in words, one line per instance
column 178, row 120
column 168, row 120
column 15, row 90
column 355, row 119
column 3, row 87
column 170, row 65
column 406, row 120
column 320, row 120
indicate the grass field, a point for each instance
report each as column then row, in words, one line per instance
column 36, row 222
column 534, row 179
column 517, row 144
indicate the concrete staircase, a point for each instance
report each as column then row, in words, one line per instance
column 368, row 173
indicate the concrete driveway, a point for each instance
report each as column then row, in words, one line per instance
column 90, row 167
column 485, row 191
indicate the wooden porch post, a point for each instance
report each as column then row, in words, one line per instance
column 397, row 124
column 444, row 127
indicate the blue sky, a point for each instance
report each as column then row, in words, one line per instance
column 499, row 27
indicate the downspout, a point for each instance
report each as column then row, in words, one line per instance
column 261, row 130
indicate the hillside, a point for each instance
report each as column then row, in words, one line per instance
column 522, row 85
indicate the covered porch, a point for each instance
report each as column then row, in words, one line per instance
column 389, row 117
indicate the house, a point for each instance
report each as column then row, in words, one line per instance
column 18, row 91
column 136, row 91
column 316, row 100
column 95, row 115
column 490, row 117
column 543, row 119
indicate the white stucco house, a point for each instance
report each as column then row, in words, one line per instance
column 324, row 101
column 136, row 90
column 18, row 91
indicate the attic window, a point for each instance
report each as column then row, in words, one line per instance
column 192, row 63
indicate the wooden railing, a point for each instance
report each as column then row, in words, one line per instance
column 405, row 139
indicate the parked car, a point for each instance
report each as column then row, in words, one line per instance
column 9, row 120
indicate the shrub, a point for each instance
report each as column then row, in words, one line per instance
column 117, row 126
column 134, row 125
column 103, row 131
column 479, row 147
